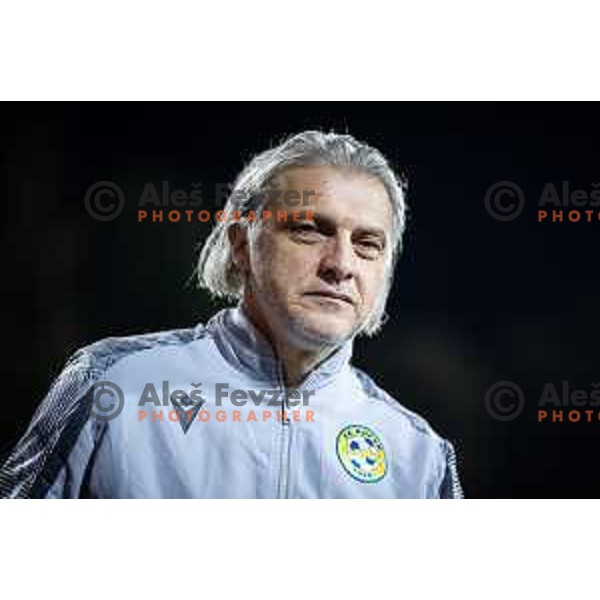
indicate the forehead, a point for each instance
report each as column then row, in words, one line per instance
column 350, row 197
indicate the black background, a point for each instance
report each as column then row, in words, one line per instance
column 491, row 300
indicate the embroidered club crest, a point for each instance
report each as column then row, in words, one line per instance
column 362, row 454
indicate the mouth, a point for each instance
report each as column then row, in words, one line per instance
column 331, row 296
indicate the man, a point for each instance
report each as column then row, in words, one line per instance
column 262, row 401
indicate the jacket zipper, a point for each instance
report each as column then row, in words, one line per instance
column 285, row 442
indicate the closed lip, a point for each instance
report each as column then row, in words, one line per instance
column 330, row 294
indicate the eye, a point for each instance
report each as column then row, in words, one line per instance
column 304, row 227
column 370, row 248
column 306, row 231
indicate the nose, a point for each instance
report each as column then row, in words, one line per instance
column 338, row 260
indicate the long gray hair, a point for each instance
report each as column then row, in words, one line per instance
column 216, row 269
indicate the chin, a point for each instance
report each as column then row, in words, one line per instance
column 319, row 329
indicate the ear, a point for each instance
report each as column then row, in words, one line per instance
column 238, row 238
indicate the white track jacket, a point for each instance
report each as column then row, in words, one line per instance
column 203, row 413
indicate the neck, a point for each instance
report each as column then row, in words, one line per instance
column 297, row 362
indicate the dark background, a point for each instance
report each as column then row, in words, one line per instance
column 490, row 301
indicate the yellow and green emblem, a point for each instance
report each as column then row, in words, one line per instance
column 362, row 454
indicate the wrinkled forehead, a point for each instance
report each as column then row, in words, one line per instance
column 342, row 194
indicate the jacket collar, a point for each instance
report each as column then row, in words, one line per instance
column 247, row 350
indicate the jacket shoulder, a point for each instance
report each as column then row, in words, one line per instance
column 63, row 420
column 376, row 394
column 103, row 354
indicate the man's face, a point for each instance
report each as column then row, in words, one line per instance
column 316, row 282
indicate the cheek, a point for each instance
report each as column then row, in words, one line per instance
column 279, row 265
column 276, row 259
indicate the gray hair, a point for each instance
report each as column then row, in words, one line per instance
column 216, row 269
